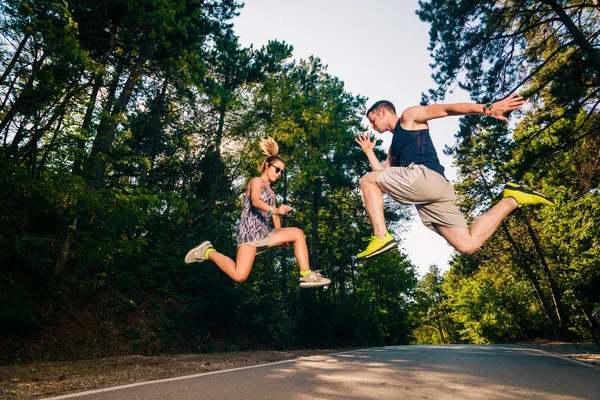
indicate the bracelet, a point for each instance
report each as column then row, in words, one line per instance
column 270, row 211
column 367, row 151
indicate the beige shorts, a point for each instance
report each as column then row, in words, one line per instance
column 262, row 244
column 429, row 191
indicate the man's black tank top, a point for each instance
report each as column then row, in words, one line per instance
column 414, row 147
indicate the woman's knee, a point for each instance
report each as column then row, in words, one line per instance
column 240, row 277
column 297, row 234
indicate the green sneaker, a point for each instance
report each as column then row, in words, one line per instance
column 525, row 196
column 314, row 279
column 378, row 245
column 198, row 253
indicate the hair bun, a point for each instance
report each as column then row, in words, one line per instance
column 269, row 147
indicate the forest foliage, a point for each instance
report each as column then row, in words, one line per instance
column 129, row 129
column 539, row 275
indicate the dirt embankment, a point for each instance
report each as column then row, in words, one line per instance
column 45, row 379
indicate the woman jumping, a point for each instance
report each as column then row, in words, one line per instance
column 254, row 233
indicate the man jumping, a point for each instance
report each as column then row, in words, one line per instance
column 412, row 174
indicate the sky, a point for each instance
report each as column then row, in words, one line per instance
column 378, row 48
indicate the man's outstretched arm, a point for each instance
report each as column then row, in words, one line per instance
column 421, row 114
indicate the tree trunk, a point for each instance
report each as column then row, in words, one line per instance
column 32, row 157
column 108, row 129
column 522, row 262
column 64, row 253
column 215, row 168
column 50, row 145
column 16, row 56
column 156, row 125
column 38, row 131
column 554, row 289
column 8, row 93
column 524, row 265
column 314, row 219
column 18, row 132
column 220, row 127
column 578, row 37
column 285, row 268
column 439, row 324
column 14, row 109
column 450, row 328
column 86, row 125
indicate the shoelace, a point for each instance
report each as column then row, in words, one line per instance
column 368, row 239
column 316, row 274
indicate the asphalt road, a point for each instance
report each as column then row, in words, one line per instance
column 400, row 372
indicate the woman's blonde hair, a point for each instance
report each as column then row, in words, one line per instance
column 270, row 148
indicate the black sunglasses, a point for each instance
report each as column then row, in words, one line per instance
column 277, row 169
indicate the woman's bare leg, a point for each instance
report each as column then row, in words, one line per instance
column 237, row 270
column 295, row 236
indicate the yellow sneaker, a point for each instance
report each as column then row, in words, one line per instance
column 378, row 245
column 525, row 196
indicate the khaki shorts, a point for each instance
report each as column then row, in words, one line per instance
column 429, row 191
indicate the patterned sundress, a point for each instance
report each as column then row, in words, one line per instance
column 254, row 228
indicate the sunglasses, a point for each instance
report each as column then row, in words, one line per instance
column 277, row 169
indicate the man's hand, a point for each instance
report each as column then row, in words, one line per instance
column 365, row 141
column 499, row 108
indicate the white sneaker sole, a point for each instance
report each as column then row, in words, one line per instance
column 314, row 284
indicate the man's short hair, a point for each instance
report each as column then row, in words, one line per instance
column 382, row 104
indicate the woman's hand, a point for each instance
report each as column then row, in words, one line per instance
column 282, row 210
column 365, row 141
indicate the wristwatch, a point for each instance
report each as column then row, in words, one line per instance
column 487, row 108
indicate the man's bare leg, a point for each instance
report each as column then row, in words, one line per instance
column 373, row 201
column 468, row 240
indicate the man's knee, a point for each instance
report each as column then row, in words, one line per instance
column 459, row 238
column 363, row 180
column 468, row 248
column 368, row 179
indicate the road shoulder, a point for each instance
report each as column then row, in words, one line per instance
column 586, row 352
